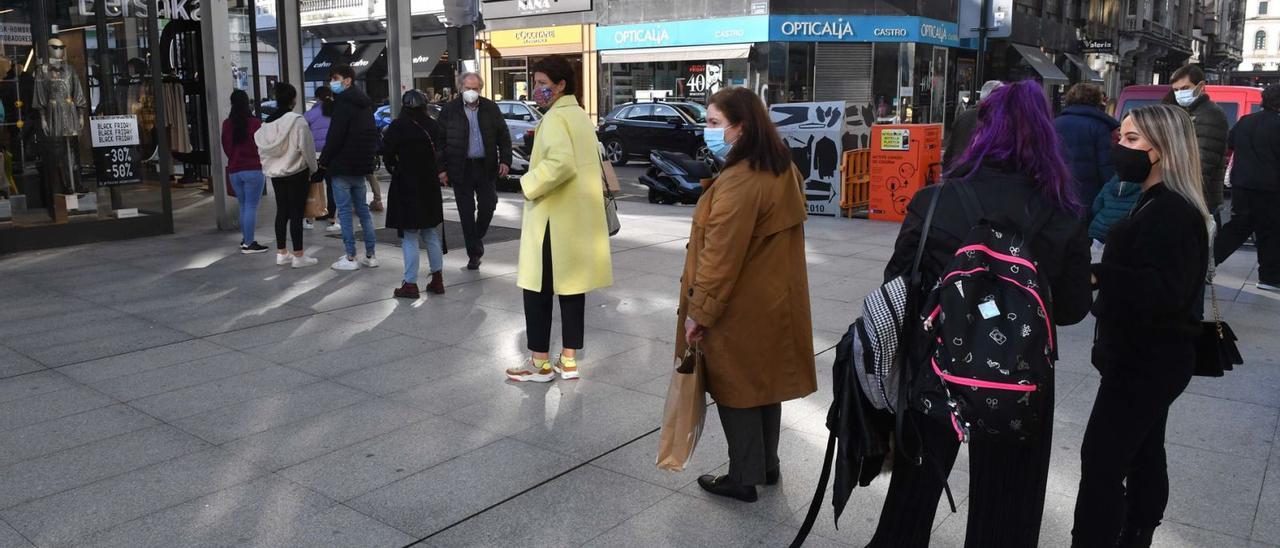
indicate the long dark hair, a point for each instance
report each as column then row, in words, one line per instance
column 1015, row 129
column 240, row 114
column 759, row 145
column 286, row 97
column 324, row 96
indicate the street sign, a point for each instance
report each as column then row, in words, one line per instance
column 999, row 18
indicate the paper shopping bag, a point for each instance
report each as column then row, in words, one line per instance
column 317, row 201
column 682, row 419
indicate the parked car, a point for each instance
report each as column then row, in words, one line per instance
column 521, row 118
column 1236, row 101
column 639, row 129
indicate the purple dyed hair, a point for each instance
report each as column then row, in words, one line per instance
column 1015, row 129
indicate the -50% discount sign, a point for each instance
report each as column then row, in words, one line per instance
column 115, row 150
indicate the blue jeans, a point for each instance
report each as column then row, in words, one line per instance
column 348, row 191
column 429, row 238
column 248, row 186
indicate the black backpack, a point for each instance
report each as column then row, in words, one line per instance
column 989, row 320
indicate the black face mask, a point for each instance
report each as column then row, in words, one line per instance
column 1132, row 165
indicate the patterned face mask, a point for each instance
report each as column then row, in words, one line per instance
column 543, row 95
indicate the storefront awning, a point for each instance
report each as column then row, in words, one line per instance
column 1048, row 71
column 365, row 56
column 426, row 53
column 684, row 53
column 329, row 56
column 1087, row 74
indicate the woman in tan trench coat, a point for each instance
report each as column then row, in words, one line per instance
column 744, row 296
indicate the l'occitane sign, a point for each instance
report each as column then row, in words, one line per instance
column 537, row 37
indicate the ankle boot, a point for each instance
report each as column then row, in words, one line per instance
column 1136, row 537
column 437, row 283
column 407, row 291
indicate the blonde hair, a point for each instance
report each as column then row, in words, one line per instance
column 1170, row 131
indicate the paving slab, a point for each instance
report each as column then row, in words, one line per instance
column 179, row 376
column 185, row 402
column 33, row 384
column 13, row 363
column 48, row 437
column 143, row 360
column 682, row 520
column 50, row 406
column 230, row 423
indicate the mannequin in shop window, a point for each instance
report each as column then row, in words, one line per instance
column 59, row 98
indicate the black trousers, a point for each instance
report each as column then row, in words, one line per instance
column 1257, row 213
column 1124, row 478
column 538, row 307
column 291, row 203
column 1007, row 482
column 477, row 197
column 752, row 434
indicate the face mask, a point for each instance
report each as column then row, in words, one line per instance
column 543, row 95
column 1185, row 97
column 714, row 136
column 336, row 86
column 1132, row 165
column 471, row 96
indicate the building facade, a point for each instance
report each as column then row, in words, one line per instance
column 1261, row 56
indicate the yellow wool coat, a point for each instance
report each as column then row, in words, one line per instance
column 745, row 279
column 563, row 189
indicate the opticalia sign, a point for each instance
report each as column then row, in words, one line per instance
column 861, row 28
column 727, row 30
column 188, row 10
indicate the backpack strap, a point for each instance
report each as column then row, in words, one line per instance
column 915, row 276
column 818, row 495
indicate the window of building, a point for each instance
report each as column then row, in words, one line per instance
column 1260, row 40
column 1262, row 8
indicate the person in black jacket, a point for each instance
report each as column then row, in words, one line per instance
column 961, row 132
column 1255, row 190
column 1150, row 292
column 1016, row 169
column 476, row 151
column 1087, row 133
column 348, row 156
column 1211, row 126
column 414, row 204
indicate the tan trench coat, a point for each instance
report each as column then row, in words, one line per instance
column 746, row 281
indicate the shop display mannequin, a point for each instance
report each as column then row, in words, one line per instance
column 59, row 98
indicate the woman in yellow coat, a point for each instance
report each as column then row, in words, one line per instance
column 564, row 219
column 744, row 297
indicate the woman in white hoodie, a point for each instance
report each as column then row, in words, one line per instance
column 288, row 155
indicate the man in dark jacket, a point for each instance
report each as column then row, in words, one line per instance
column 347, row 158
column 476, row 151
column 962, row 128
column 1211, row 129
column 1255, row 190
column 1087, row 134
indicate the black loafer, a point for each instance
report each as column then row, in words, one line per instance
column 473, row 264
column 720, row 485
column 771, row 477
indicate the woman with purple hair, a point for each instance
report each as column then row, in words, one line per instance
column 1016, row 171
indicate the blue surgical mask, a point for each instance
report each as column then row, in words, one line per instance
column 1185, row 97
column 336, row 86
column 714, row 136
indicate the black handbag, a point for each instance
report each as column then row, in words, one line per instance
column 1216, row 350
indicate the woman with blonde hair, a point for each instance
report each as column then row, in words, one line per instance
column 1150, row 299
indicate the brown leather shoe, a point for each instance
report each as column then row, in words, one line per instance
column 407, row 291
column 436, row 287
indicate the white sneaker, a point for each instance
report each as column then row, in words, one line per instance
column 304, row 261
column 371, row 262
column 1268, row 287
column 307, row 224
column 282, row 260
column 346, row 264
column 333, row 227
column 528, row 372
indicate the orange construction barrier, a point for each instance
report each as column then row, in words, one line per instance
column 904, row 158
column 855, row 190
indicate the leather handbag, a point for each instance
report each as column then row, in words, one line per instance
column 611, row 212
column 1216, row 350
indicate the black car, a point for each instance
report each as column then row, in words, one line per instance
column 637, row 129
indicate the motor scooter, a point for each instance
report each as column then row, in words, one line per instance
column 675, row 178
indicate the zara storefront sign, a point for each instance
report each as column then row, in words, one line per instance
column 188, row 10
column 502, row 9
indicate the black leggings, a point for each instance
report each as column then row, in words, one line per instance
column 291, row 203
column 538, row 305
